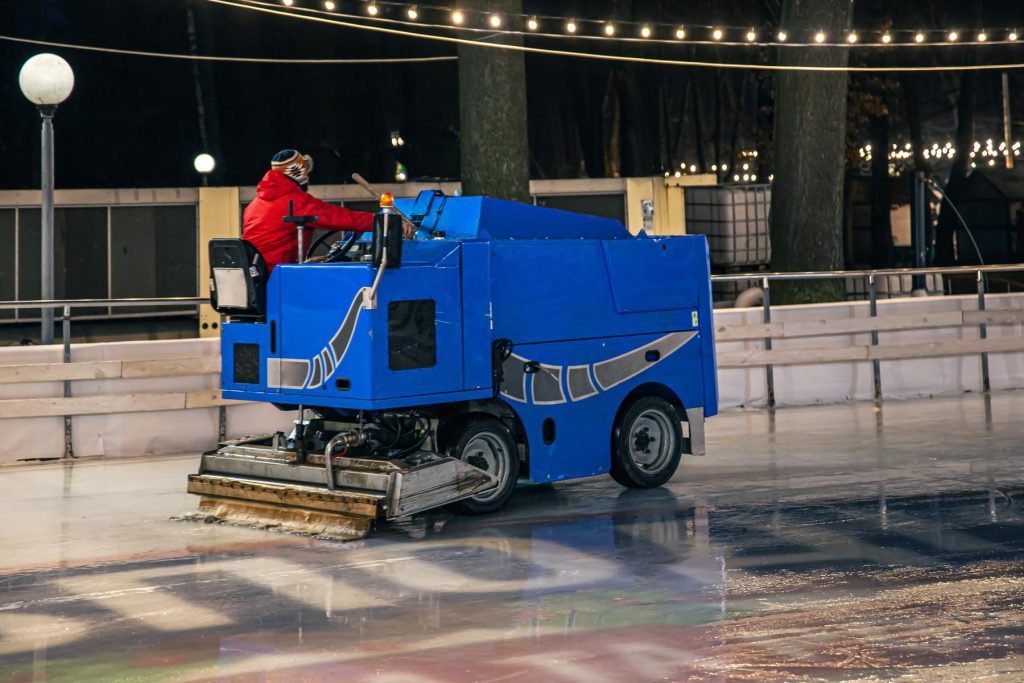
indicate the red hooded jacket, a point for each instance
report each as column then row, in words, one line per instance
column 277, row 241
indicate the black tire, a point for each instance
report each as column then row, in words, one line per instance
column 488, row 444
column 646, row 444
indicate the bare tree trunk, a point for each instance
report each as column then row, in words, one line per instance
column 810, row 140
column 492, row 114
column 961, row 164
column 612, row 116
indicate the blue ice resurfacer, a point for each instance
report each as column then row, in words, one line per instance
column 508, row 342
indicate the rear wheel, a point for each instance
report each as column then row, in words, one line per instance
column 647, row 443
column 487, row 444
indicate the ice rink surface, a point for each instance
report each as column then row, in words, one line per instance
column 834, row 542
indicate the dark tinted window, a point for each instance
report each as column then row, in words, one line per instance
column 603, row 205
column 153, row 252
column 412, row 341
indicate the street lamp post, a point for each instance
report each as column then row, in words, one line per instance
column 46, row 80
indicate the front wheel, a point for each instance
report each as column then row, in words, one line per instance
column 646, row 444
column 487, row 444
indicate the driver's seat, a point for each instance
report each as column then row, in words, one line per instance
column 238, row 279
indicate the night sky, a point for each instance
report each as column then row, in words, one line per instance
column 135, row 122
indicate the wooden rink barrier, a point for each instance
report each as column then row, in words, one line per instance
column 150, row 397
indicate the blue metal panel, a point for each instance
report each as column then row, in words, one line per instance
column 243, row 333
column 653, row 274
column 584, row 420
column 476, row 314
column 486, row 218
column 560, row 289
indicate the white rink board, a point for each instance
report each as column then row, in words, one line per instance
column 161, row 432
column 853, row 381
column 195, row 430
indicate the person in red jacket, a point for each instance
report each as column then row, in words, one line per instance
column 287, row 180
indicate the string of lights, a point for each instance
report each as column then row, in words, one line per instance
column 214, row 58
column 359, row 24
column 549, row 26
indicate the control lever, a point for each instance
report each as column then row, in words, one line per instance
column 300, row 225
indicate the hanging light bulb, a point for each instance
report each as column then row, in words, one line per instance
column 532, row 23
column 953, row 36
column 571, row 26
column 645, row 31
column 329, row 6
column 751, row 36
column 819, row 37
column 982, row 37
column 717, row 34
column 609, row 29
column 852, row 38
column 287, row 3
column 1012, row 37
column 783, row 36
column 919, row 38
column 886, row 38
column 494, row 20
column 681, row 33
column 372, row 10
column 458, row 17
column 412, row 13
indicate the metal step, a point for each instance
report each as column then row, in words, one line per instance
column 253, row 483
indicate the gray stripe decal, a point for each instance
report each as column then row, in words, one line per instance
column 287, row 373
column 343, row 337
column 615, row 371
column 514, row 384
column 314, row 381
column 325, row 356
column 580, row 385
column 547, row 385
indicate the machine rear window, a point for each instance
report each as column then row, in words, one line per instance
column 412, row 339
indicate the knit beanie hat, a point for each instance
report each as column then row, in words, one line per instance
column 294, row 165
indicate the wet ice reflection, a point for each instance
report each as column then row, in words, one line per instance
column 766, row 571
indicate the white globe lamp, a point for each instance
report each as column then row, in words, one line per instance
column 204, row 163
column 46, row 80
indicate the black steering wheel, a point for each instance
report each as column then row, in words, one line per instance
column 338, row 252
column 317, row 242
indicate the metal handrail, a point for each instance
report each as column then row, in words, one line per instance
column 832, row 274
column 79, row 303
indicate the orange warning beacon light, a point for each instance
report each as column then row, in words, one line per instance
column 387, row 201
